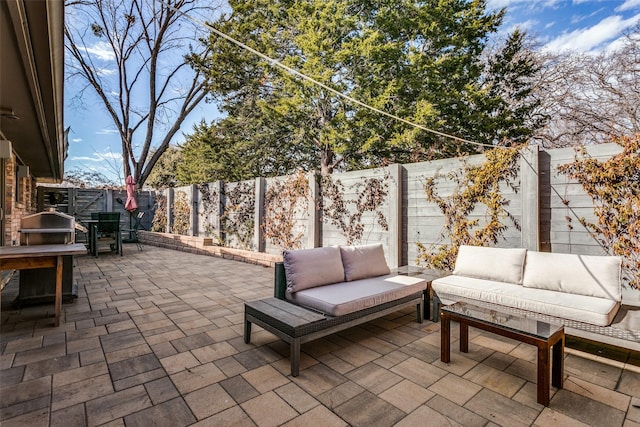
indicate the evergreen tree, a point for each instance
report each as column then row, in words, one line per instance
column 424, row 61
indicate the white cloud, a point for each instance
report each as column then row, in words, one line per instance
column 592, row 38
column 615, row 45
column 579, row 18
column 526, row 25
column 105, row 71
column 106, row 132
column 102, row 51
column 86, row 159
column 76, row 140
column 98, row 157
column 628, row 5
column 110, row 155
column 498, row 4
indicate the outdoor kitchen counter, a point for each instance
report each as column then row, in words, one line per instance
column 40, row 256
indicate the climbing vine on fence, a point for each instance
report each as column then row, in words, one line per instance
column 210, row 208
column 181, row 213
column 475, row 185
column 160, row 214
column 238, row 217
column 370, row 195
column 614, row 187
column 283, row 200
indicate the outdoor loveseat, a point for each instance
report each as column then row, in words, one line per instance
column 582, row 292
column 321, row 291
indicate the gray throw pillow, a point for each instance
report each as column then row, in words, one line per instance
column 361, row 262
column 308, row 268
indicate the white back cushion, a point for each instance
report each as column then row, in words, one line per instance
column 597, row 276
column 308, row 268
column 362, row 262
column 498, row 264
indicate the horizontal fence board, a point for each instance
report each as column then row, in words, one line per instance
column 422, row 221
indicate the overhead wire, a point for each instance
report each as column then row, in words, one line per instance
column 278, row 64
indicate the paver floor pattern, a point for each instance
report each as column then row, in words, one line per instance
column 155, row 338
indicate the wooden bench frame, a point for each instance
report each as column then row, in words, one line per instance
column 297, row 325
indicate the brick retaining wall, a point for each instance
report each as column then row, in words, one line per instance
column 204, row 246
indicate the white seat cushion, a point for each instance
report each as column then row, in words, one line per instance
column 500, row 264
column 597, row 276
column 581, row 308
column 347, row 297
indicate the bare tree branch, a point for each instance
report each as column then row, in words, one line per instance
column 590, row 98
column 140, row 48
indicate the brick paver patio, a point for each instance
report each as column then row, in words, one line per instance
column 155, row 338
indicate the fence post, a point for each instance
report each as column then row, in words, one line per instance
column 170, row 198
column 529, row 194
column 258, row 217
column 395, row 215
column 194, row 219
column 313, row 213
column 108, row 198
column 71, row 201
column 217, row 189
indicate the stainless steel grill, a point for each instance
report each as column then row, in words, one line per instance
column 46, row 228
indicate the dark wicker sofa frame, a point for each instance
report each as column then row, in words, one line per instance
column 292, row 328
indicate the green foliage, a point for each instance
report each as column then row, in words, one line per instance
column 507, row 93
column 283, row 200
column 233, row 149
column 421, row 60
column 475, row 185
column 614, row 187
column 238, row 217
column 164, row 174
column 346, row 215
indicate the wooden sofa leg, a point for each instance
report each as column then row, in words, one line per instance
column 419, row 311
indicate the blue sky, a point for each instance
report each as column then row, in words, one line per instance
column 580, row 25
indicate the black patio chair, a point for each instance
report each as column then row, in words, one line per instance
column 107, row 232
column 133, row 231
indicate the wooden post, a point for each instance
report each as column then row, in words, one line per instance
column 170, row 197
column 529, row 193
column 194, row 218
column 71, row 201
column 258, row 235
column 313, row 213
column 395, row 233
column 108, row 198
column 218, row 200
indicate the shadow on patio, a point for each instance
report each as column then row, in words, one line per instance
column 156, row 337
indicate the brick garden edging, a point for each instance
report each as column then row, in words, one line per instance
column 205, row 246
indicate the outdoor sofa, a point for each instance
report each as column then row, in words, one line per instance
column 582, row 292
column 342, row 280
column 321, row 291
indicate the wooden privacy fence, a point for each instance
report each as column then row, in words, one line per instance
column 82, row 202
column 386, row 205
